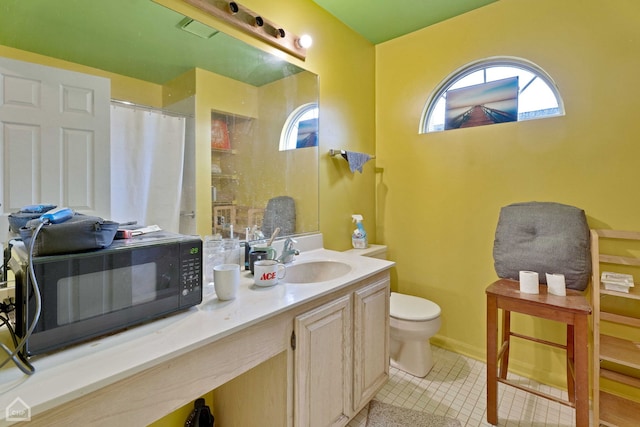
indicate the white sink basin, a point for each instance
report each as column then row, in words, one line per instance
column 315, row 271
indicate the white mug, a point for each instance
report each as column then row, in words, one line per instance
column 226, row 280
column 267, row 272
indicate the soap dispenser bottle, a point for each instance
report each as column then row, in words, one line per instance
column 359, row 236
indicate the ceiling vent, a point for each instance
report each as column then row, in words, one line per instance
column 198, row 28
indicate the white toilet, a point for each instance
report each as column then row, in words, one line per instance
column 413, row 321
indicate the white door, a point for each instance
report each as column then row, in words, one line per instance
column 54, row 139
column 188, row 197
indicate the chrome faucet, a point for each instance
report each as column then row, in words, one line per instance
column 288, row 251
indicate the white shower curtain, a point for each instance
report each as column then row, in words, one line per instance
column 147, row 158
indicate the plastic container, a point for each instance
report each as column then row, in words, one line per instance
column 218, row 251
column 617, row 281
column 359, row 236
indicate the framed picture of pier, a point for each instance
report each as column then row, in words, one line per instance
column 307, row 133
column 483, row 104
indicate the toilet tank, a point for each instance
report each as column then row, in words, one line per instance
column 373, row 251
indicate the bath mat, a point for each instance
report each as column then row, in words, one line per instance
column 385, row 415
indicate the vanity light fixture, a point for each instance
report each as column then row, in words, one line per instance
column 254, row 24
column 233, row 7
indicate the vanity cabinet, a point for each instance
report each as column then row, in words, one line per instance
column 339, row 362
column 616, row 329
column 341, row 355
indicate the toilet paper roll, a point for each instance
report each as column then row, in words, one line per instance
column 556, row 285
column 529, row 282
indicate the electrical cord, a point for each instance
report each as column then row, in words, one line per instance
column 6, row 322
column 16, row 355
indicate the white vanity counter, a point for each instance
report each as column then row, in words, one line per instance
column 67, row 375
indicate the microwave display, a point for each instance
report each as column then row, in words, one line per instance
column 90, row 294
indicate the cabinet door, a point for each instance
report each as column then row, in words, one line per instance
column 371, row 342
column 322, row 361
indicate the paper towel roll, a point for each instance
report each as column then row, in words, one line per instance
column 529, row 282
column 556, row 285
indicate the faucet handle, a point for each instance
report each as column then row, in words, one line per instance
column 288, row 251
column 288, row 244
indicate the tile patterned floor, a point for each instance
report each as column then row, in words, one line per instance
column 456, row 388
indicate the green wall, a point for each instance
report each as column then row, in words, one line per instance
column 440, row 194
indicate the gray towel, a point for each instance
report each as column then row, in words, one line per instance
column 357, row 160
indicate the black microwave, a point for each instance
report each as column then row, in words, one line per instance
column 90, row 294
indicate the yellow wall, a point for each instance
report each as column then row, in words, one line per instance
column 179, row 416
column 283, row 172
column 434, row 199
column 122, row 87
column 217, row 93
column 439, row 196
column 344, row 62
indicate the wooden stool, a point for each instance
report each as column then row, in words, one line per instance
column 572, row 309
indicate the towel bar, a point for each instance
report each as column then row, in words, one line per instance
column 343, row 153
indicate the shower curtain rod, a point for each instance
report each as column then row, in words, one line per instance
column 152, row 109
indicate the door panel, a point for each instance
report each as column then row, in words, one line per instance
column 54, row 139
column 371, row 342
column 322, row 363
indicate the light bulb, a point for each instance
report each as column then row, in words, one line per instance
column 305, row 41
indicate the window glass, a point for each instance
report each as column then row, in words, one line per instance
column 537, row 95
column 301, row 128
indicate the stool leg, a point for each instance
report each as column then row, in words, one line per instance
column 492, row 355
column 506, row 341
column 571, row 380
column 581, row 370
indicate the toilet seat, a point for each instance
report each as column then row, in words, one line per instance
column 408, row 307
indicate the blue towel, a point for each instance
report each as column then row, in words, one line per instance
column 357, row 160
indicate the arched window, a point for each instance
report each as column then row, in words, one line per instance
column 301, row 128
column 492, row 90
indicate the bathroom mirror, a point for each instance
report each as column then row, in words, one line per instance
column 238, row 99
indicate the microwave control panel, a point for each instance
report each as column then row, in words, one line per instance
column 191, row 273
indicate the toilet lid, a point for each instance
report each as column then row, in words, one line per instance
column 408, row 307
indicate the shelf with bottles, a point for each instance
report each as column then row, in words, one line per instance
column 223, row 194
column 222, row 176
column 634, row 292
column 222, row 165
column 230, row 135
column 229, row 131
column 224, row 151
column 227, row 217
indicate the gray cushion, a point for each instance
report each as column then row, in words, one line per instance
column 545, row 237
column 280, row 212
